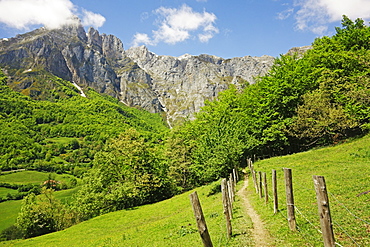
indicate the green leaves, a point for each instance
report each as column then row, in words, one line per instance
column 129, row 171
column 43, row 214
column 319, row 118
column 29, row 127
column 316, row 99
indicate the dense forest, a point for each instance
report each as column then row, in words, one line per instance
column 314, row 99
column 128, row 157
column 64, row 131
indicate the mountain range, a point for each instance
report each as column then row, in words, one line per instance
column 177, row 87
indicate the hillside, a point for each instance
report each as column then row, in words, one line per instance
column 65, row 129
column 166, row 223
column 128, row 157
column 346, row 171
column 174, row 86
column 171, row 222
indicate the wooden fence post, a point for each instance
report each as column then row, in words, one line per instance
column 274, row 192
column 290, row 198
column 232, row 187
column 225, row 202
column 201, row 222
column 230, row 196
column 254, row 178
column 265, row 187
column 236, row 173
column 260, row 183
column 324, row 211
column 235, row 177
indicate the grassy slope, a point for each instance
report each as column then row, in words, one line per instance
column 9, row 211
column 167, row 223
column 346, row 170
column 171, row 222
column 32, row 177
column 5, row 191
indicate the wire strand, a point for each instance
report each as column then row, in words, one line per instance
column 346, row 233
column 303, row 235
column 342, row 204
column 303, row 187
column 296, row 208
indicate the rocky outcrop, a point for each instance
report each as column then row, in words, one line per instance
column 175, row 85
column 68, row 53
column 298, row 51
column 182, row 84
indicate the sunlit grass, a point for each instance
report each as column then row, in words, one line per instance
column 9, row 211
column 32, row 177
column 5, row 191
column 346, row 170
column 167, row 223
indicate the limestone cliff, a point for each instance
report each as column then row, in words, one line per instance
column 139, row 78
column 182, row 84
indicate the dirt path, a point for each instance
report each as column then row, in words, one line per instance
column 260, row 234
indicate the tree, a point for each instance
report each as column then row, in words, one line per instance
column 43, row 214
column 129, row 171
column 318, row 119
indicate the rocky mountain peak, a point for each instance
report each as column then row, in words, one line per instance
column 94, row 39
column 138, row 77
column 182, row 84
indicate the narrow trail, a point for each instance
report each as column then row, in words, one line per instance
column 260, row 234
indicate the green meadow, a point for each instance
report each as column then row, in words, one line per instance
column 346, row 168
column 5, row 191
column 32, row 177
column 167, row 223
column 171, row 222
column 10, row 209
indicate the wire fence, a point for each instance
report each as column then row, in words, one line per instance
column 308, row 223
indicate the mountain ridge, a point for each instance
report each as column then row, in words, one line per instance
column 175, row 86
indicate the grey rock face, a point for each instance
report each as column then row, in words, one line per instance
column 139, row 78
column 68, row 52
column 298, row 51
column 182, row 84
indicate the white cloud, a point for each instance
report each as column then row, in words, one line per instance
column 205, row 37
column 315, row 15
column 285, row 14
column 22, row 14
column 178, row 25
column 92, row 19
column 141, row 38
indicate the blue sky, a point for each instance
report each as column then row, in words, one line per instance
column 223, row 28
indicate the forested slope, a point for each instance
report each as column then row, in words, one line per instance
column 64, row 130
column 129, row 157
column 315, row 99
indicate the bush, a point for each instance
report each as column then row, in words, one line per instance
column 11, row 233
column 43, row 214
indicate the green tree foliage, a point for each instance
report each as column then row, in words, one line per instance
column 318, row 119
column 64, row 132
column 212, row 145
column 43, row 214
column 129, row 171
column 315, row 99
